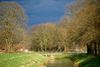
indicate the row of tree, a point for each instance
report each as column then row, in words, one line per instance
column 48, row 37
column 85, row 25
column 81, row 28
column 78, row 29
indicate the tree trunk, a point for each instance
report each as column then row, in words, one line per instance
column 95, row 49
column 65, row 48
column 89, row 49
column 42, row 48
column 98, row 49
column 88, row 52
column 45, row 48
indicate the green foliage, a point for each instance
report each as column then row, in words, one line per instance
column 83, row 60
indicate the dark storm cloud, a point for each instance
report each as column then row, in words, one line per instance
column 40, row 11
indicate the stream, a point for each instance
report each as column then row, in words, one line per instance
column 60, row 63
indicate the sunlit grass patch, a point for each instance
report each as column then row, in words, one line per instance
column 21, row 60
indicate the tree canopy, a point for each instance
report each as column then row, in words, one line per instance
column 12, row 24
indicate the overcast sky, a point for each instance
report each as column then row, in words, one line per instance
column 41, row 11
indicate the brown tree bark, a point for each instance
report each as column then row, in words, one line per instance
column 95, row 49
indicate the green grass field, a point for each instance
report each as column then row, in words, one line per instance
column 35, row 59
column 21, row 59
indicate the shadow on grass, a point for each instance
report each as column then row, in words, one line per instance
column 91, row 62
column 83, row 60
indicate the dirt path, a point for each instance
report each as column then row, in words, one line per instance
column 51, row 58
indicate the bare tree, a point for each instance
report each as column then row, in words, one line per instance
column 12, row 22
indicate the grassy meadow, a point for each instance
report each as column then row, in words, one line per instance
column 37, row 59
column 21, row 59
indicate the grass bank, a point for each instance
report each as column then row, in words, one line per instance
column 82, row 60
column 21, row 59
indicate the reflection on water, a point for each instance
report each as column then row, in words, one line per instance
column 60, row 63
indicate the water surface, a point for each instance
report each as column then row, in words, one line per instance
column 60, row 63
